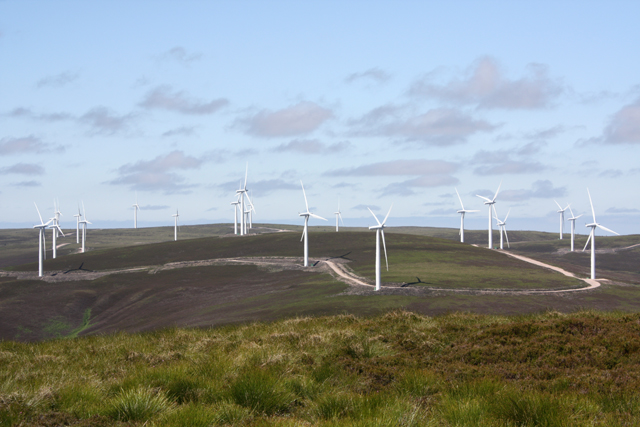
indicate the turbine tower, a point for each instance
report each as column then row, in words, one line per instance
column 305, row 232
column 84, row 223
column 462, row 212
column 235, row 218
column 135, row 213
column 55, row 228
column 490, row 202
column 592, row 236
column 338, row 215
column 561, row 212
column 78, row 216
column 41, row 248
column 503, row 227
column 380, row 231
column 175, row 227
column 573, row 226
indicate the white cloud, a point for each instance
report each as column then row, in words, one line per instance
column 157, row 174
column 23, row 169
column 26, row 144
column 58, row 80
column 541, row 189
column 312, row 146
column 103, row 121
column 398, row 167
column 26, row 184
column 485, row 85
column 299, row 119
column 181, row 131
column 624, row 127
column 179, row 54
column 439, row 126
column 373, row 74
column 162, row 97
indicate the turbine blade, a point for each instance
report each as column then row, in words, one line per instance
column 340, row 216
column 305, row 196
column 385, row 218
column 482, row 197
column 303, row 231
column 316, row 216
column 60, row 230
column 384, row 245
column 588, row 238
column 494, row 197
column 374, row 215
column 246, row 174
column 559, row 207
column 459, row 198
column 572, row 215
column 505, row 218
column 592, row 210
column 495, row 213
column 41, row 221
column 606, row 229
column 251, row 204
column 507, row 236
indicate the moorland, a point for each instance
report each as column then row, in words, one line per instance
column 221, row 329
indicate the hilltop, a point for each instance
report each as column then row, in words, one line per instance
column 125, row 284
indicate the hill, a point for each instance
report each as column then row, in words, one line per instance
column 398, row 369
column 230, row 279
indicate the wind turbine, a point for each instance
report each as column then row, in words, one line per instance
column 57, row 213
column 55, row 228
column 561, row 212
column 380, row 231
column 503, row 227
column 235, row 218
column 78, row 216
column 135, row 213
column 573, row 226
column 243, row 193
column 41, row 237
column 250, row 213
column 338, row 215
column 84, row 223
column 305, row 232
column 592, row 236
column 490, row 202
column 175, row 230
column 462, row 212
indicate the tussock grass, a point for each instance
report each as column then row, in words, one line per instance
column 398, row 369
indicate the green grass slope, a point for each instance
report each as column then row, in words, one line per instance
column 398, row 369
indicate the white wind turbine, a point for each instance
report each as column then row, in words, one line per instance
column 84, row 223
column 57, row 213
column 305, row 232
column 592, row 236
column 462, row 212
column 136, row 206
column 380, row 231
column 235, row 218
column 250, row 213
column 243, row 193
column 175, row 229
column 78, row 216
column 561, row 212
column 41, row 238
column 338, row 215
column 573, row 226
column 503, row 227
column 54, row 234
column 490, row 202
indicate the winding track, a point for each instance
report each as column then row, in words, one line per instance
column 337, row 269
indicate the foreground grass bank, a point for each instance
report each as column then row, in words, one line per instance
column 549, row 369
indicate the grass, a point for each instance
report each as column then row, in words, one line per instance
column 396, row 369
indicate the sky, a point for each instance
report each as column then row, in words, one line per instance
column 368, row 103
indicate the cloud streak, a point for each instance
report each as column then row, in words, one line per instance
column 299, row 119
column 57, row 80
column 164, row 98
column 485, row 85
column 22, row 169
column 311, row 146
column 27, row 144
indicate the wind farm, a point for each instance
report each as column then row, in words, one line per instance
column 216, row 299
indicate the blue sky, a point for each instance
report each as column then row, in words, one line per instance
column 367, row 102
